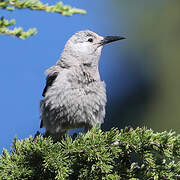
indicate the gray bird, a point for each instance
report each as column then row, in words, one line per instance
column 74, row 95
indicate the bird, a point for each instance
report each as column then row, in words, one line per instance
column 74, row 95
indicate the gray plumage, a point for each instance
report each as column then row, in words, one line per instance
column 75, row 96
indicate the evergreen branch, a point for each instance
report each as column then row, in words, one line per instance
column 32, row 5
column 38, row 5
column 18, row 32
column 127, row 154
column 5, row 23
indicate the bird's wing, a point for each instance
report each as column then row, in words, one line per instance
column 41, row 125
column 52, row 74
column 49, row 81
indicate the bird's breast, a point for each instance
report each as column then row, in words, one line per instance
column 82, row 103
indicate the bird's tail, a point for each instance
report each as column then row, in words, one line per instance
column 56, row 137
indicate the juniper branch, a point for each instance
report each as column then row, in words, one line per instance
column 11, row 5
column 139, row 154
column 18, row 32
column 38, row 5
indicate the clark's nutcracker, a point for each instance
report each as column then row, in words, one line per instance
column 74, row 95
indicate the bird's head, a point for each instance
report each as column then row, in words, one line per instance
column 84, row 47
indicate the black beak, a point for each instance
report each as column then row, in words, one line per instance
column 109, row 39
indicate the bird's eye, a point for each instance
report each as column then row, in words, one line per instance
column 90, row 39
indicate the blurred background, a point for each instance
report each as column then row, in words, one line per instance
column 141, row 73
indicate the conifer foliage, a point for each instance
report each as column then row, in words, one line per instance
column 126, row 154
column 11, row 5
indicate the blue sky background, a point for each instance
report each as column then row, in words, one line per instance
column 124, row 65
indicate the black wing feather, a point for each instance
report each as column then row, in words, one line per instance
column 49, row 81
column 41, row 125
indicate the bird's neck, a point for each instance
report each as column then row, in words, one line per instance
column 82, row 72
column 90, row 72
